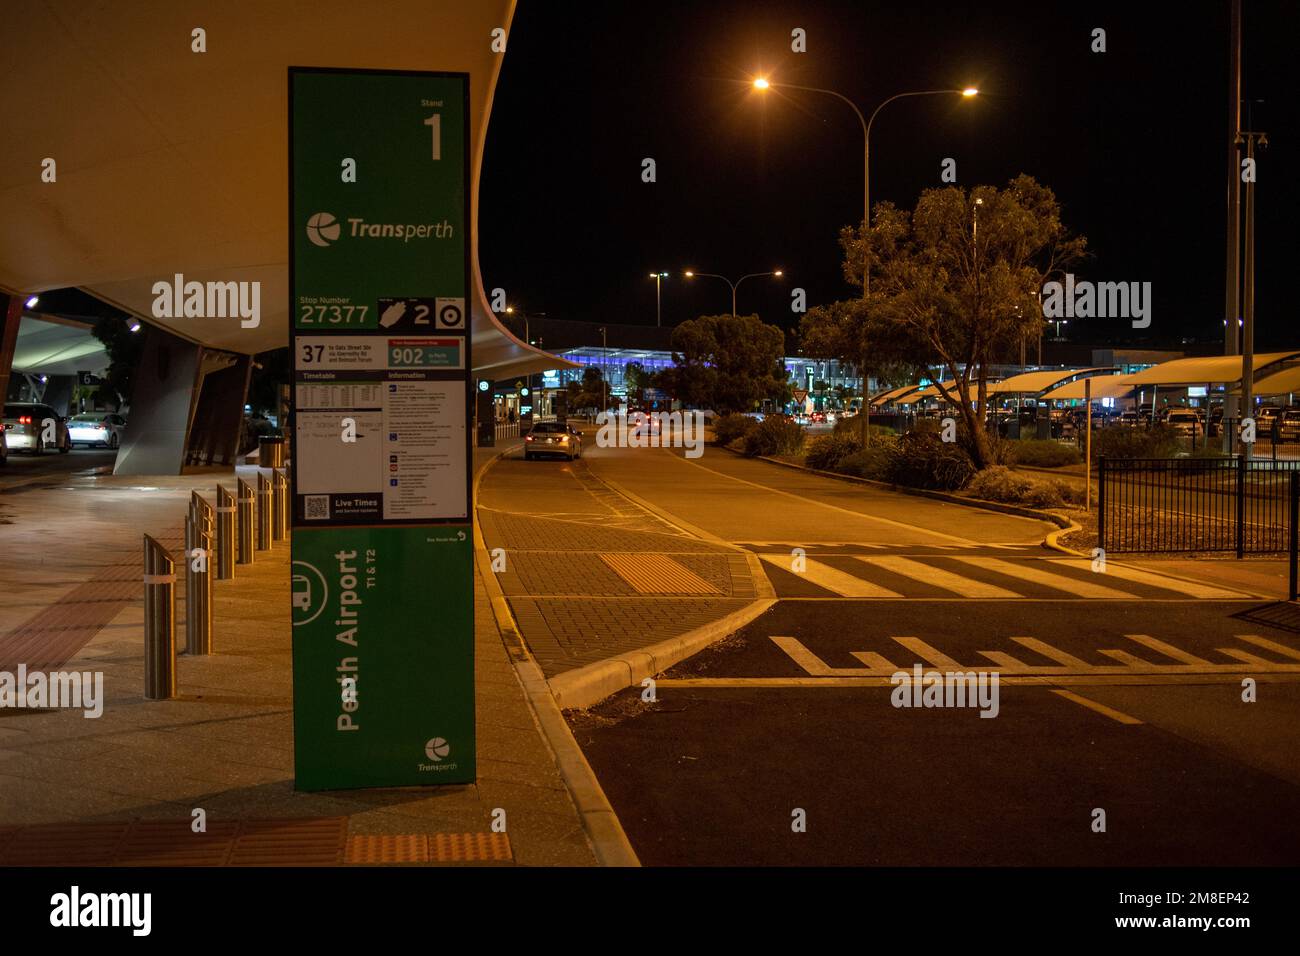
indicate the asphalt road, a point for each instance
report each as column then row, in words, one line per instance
column 24, row 469
column 1118, row 693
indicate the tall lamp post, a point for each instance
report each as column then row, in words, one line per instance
column 762, row 84
column 734, row 285
column 658, row 277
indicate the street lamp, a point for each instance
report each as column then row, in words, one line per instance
column 734, row 285
column 658, row 277
column 762, row 83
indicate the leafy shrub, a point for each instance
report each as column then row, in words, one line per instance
column 728, row 428
column 999, row 483
column 924, row 461
column 774, row 436
column 827, row 451
column 1158, row 441
column 1043, row 453
column 876, row 461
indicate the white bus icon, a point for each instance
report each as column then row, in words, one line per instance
column 301, row 593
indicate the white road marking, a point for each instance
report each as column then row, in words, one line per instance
column 1194, row 669
column 1268, row 645
column 928, row 574
column 1033, row 572
column 1157, row 580
column 832, row 579
column 804, row 499
column 1167, row 649
column 1110, row 712
column 1047, row 650
column 931, row 655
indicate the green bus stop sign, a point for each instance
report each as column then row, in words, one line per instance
column 382, row 580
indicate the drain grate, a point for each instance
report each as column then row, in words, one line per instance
column 1283, row 614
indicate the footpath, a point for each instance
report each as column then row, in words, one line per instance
column 123, row 789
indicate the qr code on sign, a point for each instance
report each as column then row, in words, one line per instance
column 316, row 507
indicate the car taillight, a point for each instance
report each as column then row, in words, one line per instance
column 24, row 419
column 529, row 438
column 101, row 428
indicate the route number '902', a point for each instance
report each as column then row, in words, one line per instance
column 406, row 356
column 333, row 314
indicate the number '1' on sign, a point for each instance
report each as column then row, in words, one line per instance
column 436, row 122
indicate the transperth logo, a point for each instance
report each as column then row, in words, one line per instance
column 324, row 229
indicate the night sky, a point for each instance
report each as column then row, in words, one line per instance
column 1132, row 141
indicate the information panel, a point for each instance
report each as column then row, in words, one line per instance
column 382, row 580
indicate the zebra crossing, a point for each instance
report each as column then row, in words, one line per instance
column 935, row 574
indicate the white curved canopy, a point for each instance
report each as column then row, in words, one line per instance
column 174, row 161
column 1206, row 369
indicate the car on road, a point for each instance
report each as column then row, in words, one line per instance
column 26, row 429
column 552, row 438
column 96, row 428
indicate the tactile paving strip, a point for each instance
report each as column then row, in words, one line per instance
column 291, row 842
column 657, row 574
column 174, row 843
column 65, row 844
column 388, row 848
column 304, row 841
column 468, row 847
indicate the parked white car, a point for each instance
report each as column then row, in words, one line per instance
column 96, row 428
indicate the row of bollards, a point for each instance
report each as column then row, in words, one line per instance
column 216, row 539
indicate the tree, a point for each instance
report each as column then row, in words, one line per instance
column 728, row 363
column 637, row 380
column 847, row 332
column 959, row 280
column 590, row 392
column 124, row 349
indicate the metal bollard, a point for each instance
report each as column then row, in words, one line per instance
column 203, row 514
column 265, row 510
column 280, row 526
column 225, row 534
column 244, row 525
column 198, row 587
column 159, row 622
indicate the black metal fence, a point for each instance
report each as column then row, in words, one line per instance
column 1196, row 504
